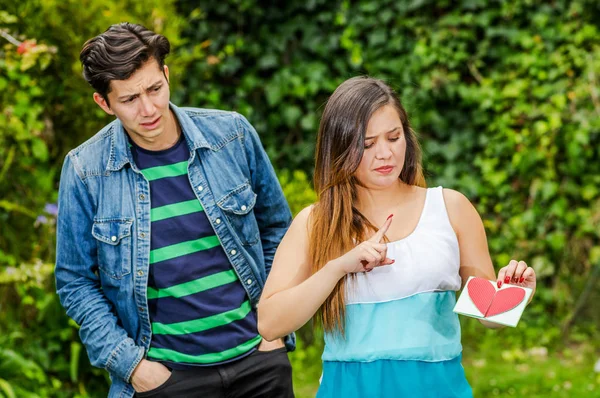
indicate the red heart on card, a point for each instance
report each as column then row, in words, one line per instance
column 490, row 301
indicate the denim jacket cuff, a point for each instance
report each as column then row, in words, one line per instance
column 124, row 359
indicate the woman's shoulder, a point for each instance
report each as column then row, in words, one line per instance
column 454, row 199
column 459, row 208
column 305, row 213
column 302, row 219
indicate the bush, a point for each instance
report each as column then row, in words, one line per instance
column 46, row 108
column 503, row 94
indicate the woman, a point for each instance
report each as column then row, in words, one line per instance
column 384, row 296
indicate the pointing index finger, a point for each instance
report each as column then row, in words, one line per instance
column 381, row 233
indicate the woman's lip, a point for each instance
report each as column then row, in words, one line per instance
column 384, row 169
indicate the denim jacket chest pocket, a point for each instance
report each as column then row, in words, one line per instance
column 238, row 207
column 114, row 246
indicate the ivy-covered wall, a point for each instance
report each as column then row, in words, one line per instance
column 504, row 95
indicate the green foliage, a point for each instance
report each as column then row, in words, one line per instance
column 46, row 108
column 297, row 190
column 504, row 96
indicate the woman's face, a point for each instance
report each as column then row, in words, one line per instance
column 385, row 149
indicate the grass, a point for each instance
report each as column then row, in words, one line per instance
column 535, row 373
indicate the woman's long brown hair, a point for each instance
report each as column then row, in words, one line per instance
column 335, row 224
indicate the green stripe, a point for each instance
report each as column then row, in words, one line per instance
column 198, row 325
column 175, row 210
column 195, row 286
column 183, row 248
column 170, row 170
column 170, row 355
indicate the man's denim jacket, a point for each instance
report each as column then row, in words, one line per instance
column 103, row 230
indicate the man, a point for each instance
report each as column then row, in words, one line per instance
column 168, row 223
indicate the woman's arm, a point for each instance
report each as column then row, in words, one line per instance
column 475, row 257
column 292, row 295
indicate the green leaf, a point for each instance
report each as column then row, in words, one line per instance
column 74, row 364
column 39, row 149
column 7, row 389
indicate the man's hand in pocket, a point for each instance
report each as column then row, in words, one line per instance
column 149, row 375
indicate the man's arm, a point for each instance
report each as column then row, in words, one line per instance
column 271, row 209
column 78, row 284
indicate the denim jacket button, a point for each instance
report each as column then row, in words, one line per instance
column 200, row 188
column 113, row 238
column 233, row 252
column 142, row 196
column 140, row 272
column 244, row 207
column 249, row 281
column 142, row 234
column 218, row 221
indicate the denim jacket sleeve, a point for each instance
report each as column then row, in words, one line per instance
column 271, row 210
column 78, row 283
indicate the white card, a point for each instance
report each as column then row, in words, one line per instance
column 482, row 299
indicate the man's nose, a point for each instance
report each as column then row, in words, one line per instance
column 146, row 106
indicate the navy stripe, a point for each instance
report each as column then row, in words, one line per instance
column 188, row 268
column 211, row 340
column 195, row 306
column 167, row 191
column 146, row 159
column 184, row 228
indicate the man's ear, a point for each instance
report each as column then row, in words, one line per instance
column 99, row 99
column 166, row 72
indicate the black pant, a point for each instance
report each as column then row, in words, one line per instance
column 260, row 374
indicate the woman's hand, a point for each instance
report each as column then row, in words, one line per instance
column 517, row 273
column 367, row 255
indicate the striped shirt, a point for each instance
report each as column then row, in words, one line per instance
column 199, row 311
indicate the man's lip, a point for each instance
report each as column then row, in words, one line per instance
column 150, row 123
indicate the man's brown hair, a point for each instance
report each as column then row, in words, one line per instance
column 120, row 51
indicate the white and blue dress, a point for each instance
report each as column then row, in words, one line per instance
column 401, row 337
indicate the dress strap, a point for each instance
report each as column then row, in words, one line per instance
column 435, row 213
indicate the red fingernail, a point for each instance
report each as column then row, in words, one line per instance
column 390, row 216
column 521, row 280
column 499, row 284
column 393, row 261
column 507, row 279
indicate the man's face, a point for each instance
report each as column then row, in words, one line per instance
column 141, row 103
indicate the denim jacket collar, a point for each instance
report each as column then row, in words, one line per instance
column 120, row 154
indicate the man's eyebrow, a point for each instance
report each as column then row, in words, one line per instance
column 127, row 96
column 387, row 132
column 155, row 85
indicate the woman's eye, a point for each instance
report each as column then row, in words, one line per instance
column 368, row 146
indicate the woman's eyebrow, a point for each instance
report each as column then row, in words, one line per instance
column 387, row 132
